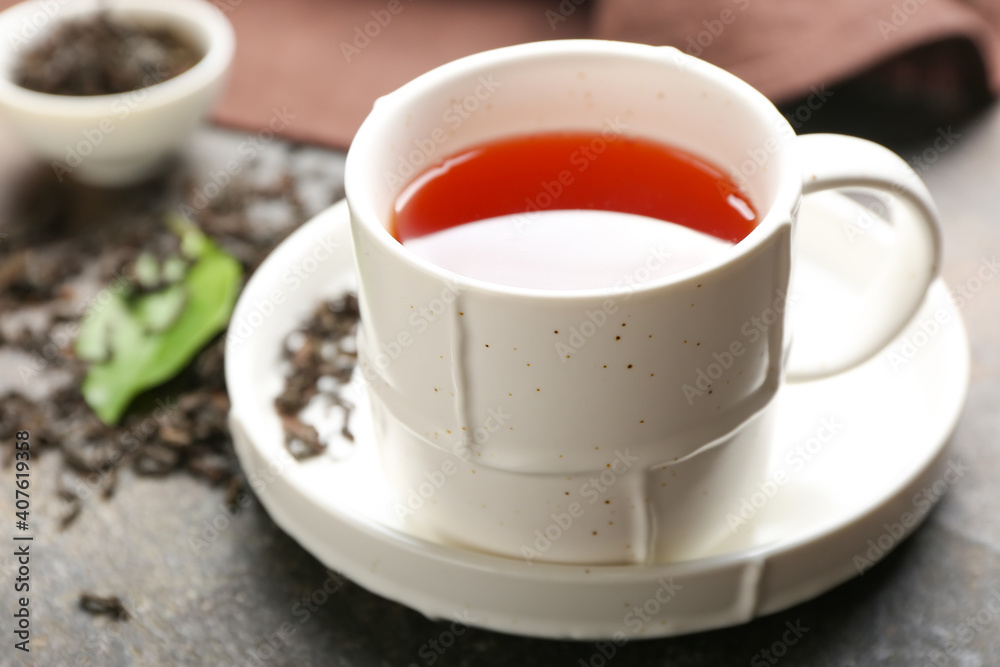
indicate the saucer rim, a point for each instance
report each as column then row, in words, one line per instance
column 758, row 557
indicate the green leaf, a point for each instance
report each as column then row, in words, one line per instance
column 173, row 269
column 159, row 310
column 147, row 270
column 143, row 342
column 93, row 342
column 193, row 242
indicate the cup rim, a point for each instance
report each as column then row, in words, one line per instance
column 397, row 103
column 221, row 43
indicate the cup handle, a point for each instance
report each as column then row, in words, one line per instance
column 893, row 297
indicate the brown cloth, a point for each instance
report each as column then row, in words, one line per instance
column 325, row 61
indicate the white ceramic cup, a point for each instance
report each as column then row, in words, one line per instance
column 631, row 445
column 120, row 139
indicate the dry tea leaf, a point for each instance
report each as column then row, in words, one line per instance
column 102, row 54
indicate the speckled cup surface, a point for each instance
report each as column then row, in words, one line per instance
column 618, row 425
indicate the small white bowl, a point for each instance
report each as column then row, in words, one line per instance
column 113, row 140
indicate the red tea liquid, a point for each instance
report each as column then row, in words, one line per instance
column 571, row 211
column 574, row 171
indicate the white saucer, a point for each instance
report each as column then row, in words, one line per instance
column 833, row 515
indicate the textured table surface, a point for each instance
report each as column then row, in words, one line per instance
column 927, row 603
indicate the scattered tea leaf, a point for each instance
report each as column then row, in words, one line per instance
column 108, row 605
column 322, row 355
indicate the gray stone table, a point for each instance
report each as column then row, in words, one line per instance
column 220, row 606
